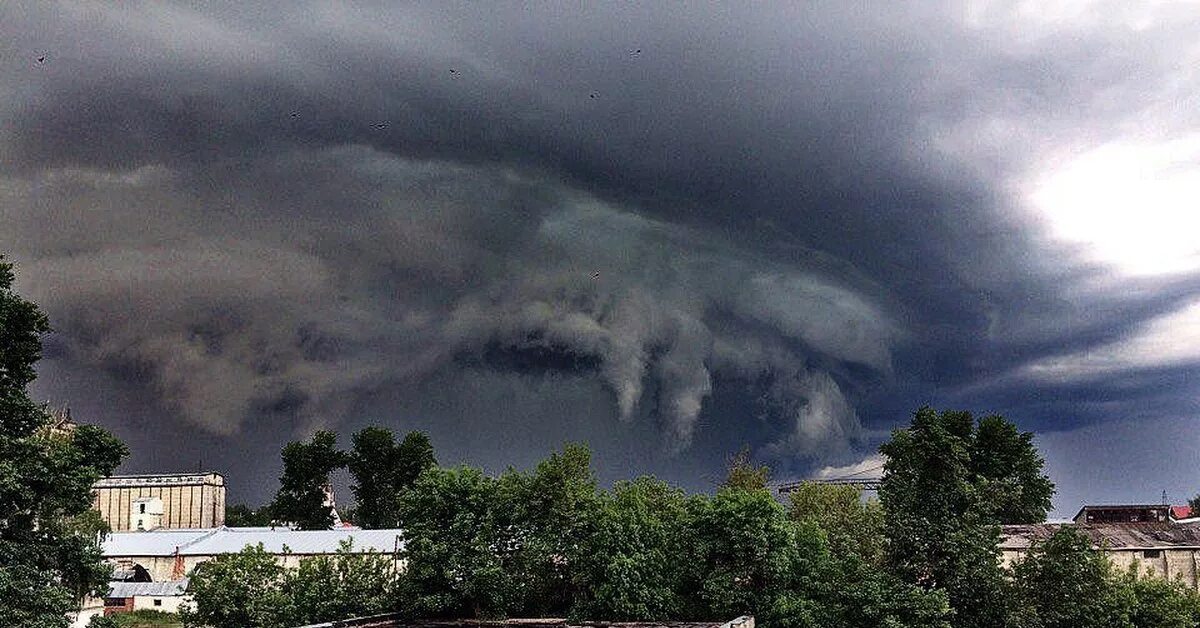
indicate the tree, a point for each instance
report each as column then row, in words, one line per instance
column 345, row 585
column 458, row 547
column 382, row 470
column 1157, row 602
column 629, row 565
column 1194, row 506
column 1007, row 473
column 242, row 590
column 852, row 526
column 856, row 594
column 306, row 470
column 943, row 500
column 413, row 456
column 742, row 474
column 550, row 511
column 49, row 557
column 1064, row 583
column 243, row 516
column 748, row 558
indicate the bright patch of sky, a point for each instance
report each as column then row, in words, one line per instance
column 1170, row 340
column 1132, row 205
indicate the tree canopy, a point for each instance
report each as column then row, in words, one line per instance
column 382, row 470
column 307, row 466
column 944, row 497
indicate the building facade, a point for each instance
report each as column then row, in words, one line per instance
column 172, row 501
column 164, row 597
column 168, row 555
column 1166, row 549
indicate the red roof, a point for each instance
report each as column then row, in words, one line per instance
column 1181, row 512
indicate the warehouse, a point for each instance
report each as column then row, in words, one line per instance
column 1166, row 549
column 162, row 555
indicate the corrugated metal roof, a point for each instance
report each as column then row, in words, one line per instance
column 153, row 589
column 231, row 540
column 208, row 542
column 1108, row 535
column 151, row 543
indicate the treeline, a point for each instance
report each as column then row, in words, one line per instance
column 550, row 542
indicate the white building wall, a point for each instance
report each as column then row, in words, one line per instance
column 169, row 604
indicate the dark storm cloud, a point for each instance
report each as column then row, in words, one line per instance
column 272, row 214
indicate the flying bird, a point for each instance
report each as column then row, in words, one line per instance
column 593, row 94
column 596, row 275
column 634, row 53
column 453, row 71
column 381, row 125
column 41, row 59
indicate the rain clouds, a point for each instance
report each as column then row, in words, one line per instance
column 785, row 227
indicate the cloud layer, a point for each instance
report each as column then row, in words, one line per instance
column 781, row 225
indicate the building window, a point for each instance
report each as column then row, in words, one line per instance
column 1151, row 553
column 114, row 601
column 157, row 602
column 141, row 509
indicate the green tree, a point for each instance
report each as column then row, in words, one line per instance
column 459, row 547
column 242, row 590
column 852, row 525
column 1159, row 603
column 306, row 470
column 1064, row 583
column 1194, row 505
column 631, row 564
column 243, row 516
column 549, row 512
column 348, row 584
column 1007, row 473
column 49, row 557
column 382, row 469
column 941, row 526
column 741, row 472
column 748, row 558
column 853, row 593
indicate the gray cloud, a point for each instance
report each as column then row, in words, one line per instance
column 287, row 215
column 258, row 297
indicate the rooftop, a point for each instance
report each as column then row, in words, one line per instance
column 159, row 479
column 170, row 588
column 1156, row 535
column 212, row 541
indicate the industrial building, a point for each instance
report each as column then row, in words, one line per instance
column 1167, row 549
column 125, row 597
column 165, row 554
column 164, row 500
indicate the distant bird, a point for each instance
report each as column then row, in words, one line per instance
column 453, row 71
column 42, row 59
column 593, row 95
column 381, row 125
column 634, row 53
column 596, row 275
column 295, row 114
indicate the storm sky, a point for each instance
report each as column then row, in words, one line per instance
column 666, row 230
